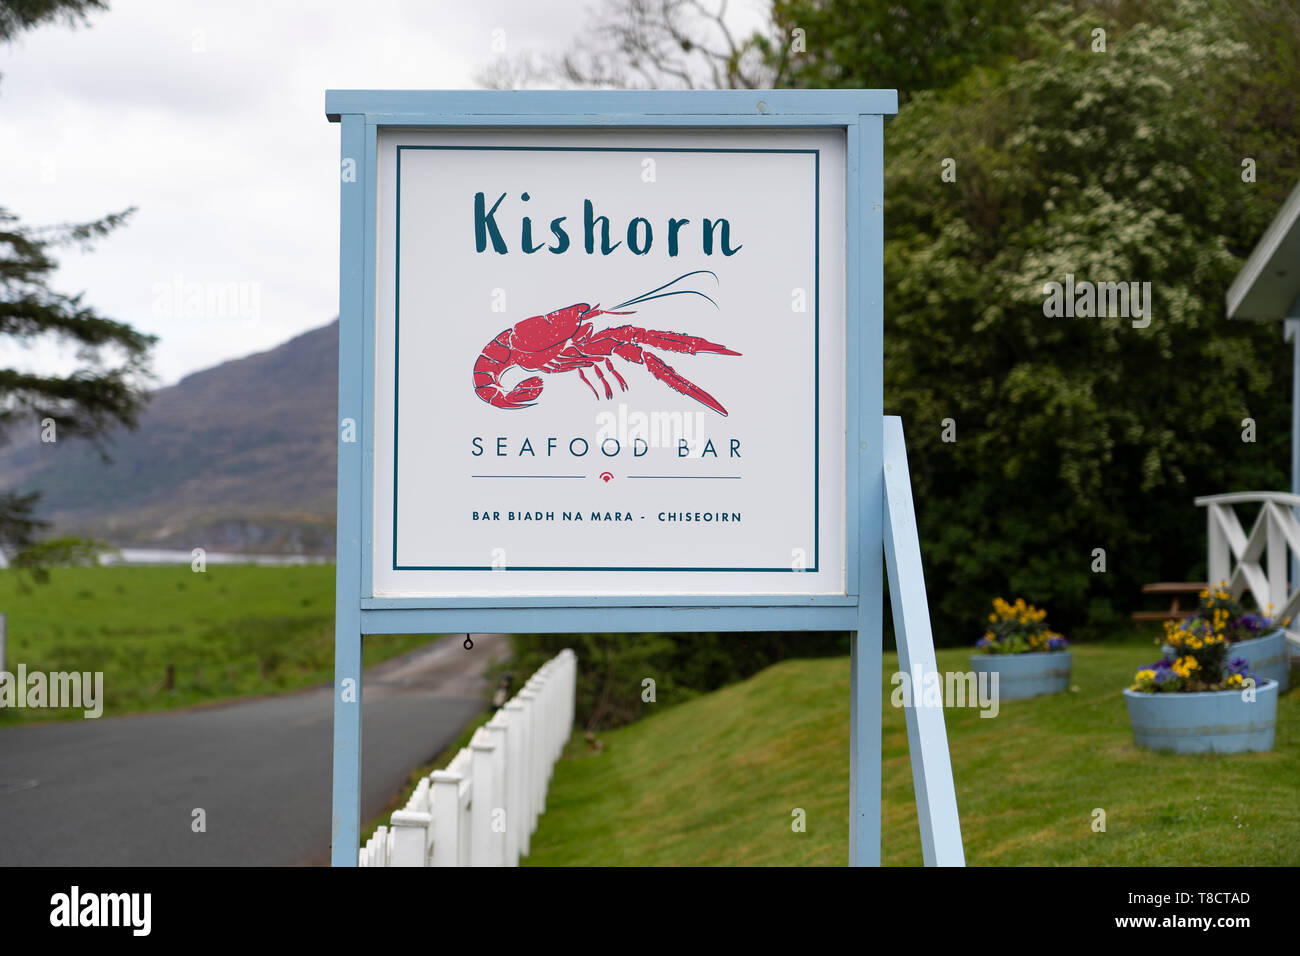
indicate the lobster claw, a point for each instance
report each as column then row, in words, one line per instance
column 679, row 383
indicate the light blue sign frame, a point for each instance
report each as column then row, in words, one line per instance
column 859, row 114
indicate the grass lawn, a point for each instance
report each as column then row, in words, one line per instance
column 230, row 631
column 714, row 780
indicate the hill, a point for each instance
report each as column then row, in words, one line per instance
column 238, row 457
column 714, row 780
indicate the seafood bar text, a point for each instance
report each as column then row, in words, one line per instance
column 639, row 235
column 610, row 448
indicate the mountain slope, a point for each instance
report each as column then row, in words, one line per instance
column 236, row 457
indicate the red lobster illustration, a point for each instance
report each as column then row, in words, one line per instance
column 565, row 341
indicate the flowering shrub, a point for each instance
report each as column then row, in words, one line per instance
column 1018, row 628
column 1187, row 674
column 1200, row 644
column 1226, row 616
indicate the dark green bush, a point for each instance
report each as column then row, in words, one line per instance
column 612, row 668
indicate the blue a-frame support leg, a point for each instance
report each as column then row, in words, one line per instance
column 927, row 738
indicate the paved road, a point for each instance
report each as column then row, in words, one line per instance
column 122, row 791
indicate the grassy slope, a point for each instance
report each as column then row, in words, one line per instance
column 714, row 780
column 228, row 632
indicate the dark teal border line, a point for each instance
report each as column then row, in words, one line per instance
column 397, row 337
column 817, row 238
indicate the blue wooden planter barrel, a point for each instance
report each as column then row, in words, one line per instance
column 1026, row 675
column 1269, row 656
column 1216, row 721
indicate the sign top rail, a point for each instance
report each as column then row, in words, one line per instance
column 595, row 104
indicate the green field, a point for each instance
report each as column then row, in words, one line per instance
column 715, row 780
column 230, row 631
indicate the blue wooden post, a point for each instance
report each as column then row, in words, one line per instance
column 345, row 827
column 866, row 199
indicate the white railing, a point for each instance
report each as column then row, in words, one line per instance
column 1256, row 562
column 483, row 808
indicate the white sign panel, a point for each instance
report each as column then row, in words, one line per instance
column 609, row 363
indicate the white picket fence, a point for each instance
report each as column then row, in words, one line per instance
column 482, row 810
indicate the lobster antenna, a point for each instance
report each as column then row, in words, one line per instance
column 648, row 296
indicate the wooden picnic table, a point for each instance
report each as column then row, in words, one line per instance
column 1177, row 590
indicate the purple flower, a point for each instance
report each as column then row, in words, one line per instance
column 983, row 642
column 1253, row 622
column 1056, row 644
column 1239, row 665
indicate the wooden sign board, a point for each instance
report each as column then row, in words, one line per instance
column 610, row 361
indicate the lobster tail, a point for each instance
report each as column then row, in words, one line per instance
column 487, row 380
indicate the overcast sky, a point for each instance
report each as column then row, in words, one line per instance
column 209, row 116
